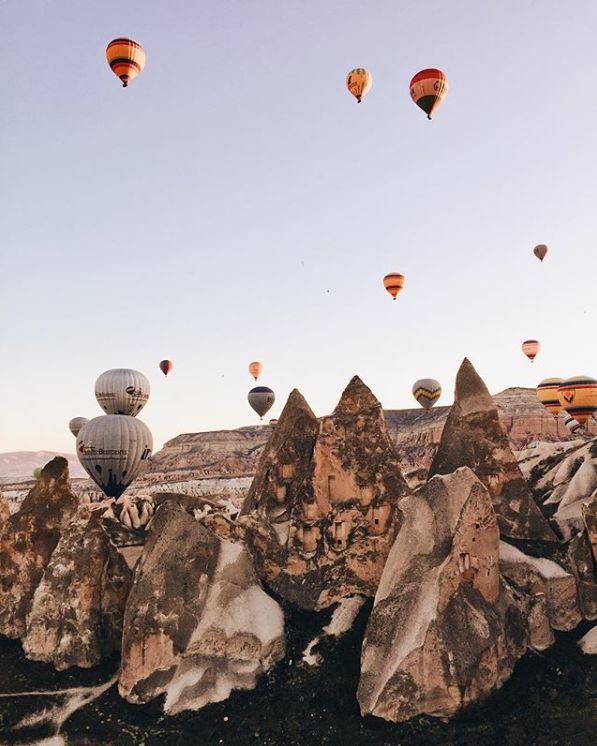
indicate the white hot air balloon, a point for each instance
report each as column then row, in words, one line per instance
column 76, row 424
column 114, row 450
column 261, row 399
column 572, row 425
column 427, row 391
column 122, row 391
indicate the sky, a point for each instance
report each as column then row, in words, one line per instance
column 236, row 204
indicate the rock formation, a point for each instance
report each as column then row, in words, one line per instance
column 76, row 613
column 4, row 512
column 444, row 630
column 28, row 540
column 473, row 437
column 582, row 556
column 197, row 624
column 321, row 514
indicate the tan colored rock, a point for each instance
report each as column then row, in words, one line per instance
column 321, row 515
column 473, row 437
column 590, row 521
column 30, row 536
column 582, row 563
column 444, row 630
column 4, row 512
column 76, row 614
column 544, row 579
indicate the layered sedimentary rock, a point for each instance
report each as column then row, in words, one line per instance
column 77, row 610
column 321, row 515
column 197, row 624
column 28, row 540
column 444, row 630
column 473, row 437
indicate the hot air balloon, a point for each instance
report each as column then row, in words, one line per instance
column 37, row 472
column 255, row 369
column 76, row 424
column 126, row 59
column 572, row 425
column 393, row 283
column 427, row 391
column 261, row 399
column 547, row 393
column 531, row 348
column 114, row 450
column 428, row 89
column 578, row 396
column 166, row 366
column 540, row 251
column 359, row 82
column 122, row 391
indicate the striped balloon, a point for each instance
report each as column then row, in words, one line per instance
column 572, row 424
column 547, row 393
column 359, row 82
column 428, row 89
column 427, row 391
column 122, row 391
column 578, row 396
column 393, row 283
column 114, row 450
column 126, row 59
column 531, row 348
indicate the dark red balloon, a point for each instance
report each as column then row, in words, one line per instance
column 166, row 366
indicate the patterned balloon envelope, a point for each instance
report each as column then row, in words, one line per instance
column 359, row 82
column 572, row 424
column 427, row 391
column 122, row 391
column 578, row 396
column 547, row 393
column 261, row 399
column 393, row 283
column 531, row 348
column 126, row 59
column 428, row 89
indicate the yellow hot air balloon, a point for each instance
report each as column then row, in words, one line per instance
column 428, row 89
column 531, row 348
column 393, row 283
column 359, row 82
column 126, row 59
column 578, row 396
column 547, row 393
column 540, row 251
column 255, row 369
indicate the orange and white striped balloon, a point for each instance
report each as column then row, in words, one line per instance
column 531, row 348
column 393, row 283
column 359, row 82
column 428, row 89
column 578, row 396
column 126, row 59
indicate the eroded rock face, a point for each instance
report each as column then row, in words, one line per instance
column 197, row 624
column 4, row 512
column 444, row 630
column 77, row 610
column 581, row 555
column 321, row 515
column 473, row 437
column 30, row 536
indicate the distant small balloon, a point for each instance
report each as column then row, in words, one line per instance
column 166, row 366
column 540, row 251
column 393, row 283
column 126, row 59
column 427, row 391
column 76, row 424
column 428, row 89
column 255, row 369
column 261, row 399
column 359, row 82
column 531, row 348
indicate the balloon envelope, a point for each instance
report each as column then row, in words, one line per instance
column 572, row 424
column 578, row 396
column 255, row 369
column 531, row 348
column 261, row 399
column 427, row 391
column 114, row 450
column 428, row 89
column 540, row 251
column 393, row 283
column 126, row 59
column 122, row 391
column 547, row 393
column 359, row 82
column 76, row 424
column 166, row 366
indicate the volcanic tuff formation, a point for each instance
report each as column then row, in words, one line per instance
column 473, row 437
column 28, row 540
column 321, row 514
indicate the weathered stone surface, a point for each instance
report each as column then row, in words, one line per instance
column 4, row 512
column 582, row 563
column 542, row 578
column 76, row 614
column 590, row 521
column 444, row 630
column 30, row 536
column 322, row 513
column 197, row 624
column 473, row 437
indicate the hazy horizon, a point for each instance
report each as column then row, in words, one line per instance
column 235, row 203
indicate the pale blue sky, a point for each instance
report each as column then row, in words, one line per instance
column 203, row 213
